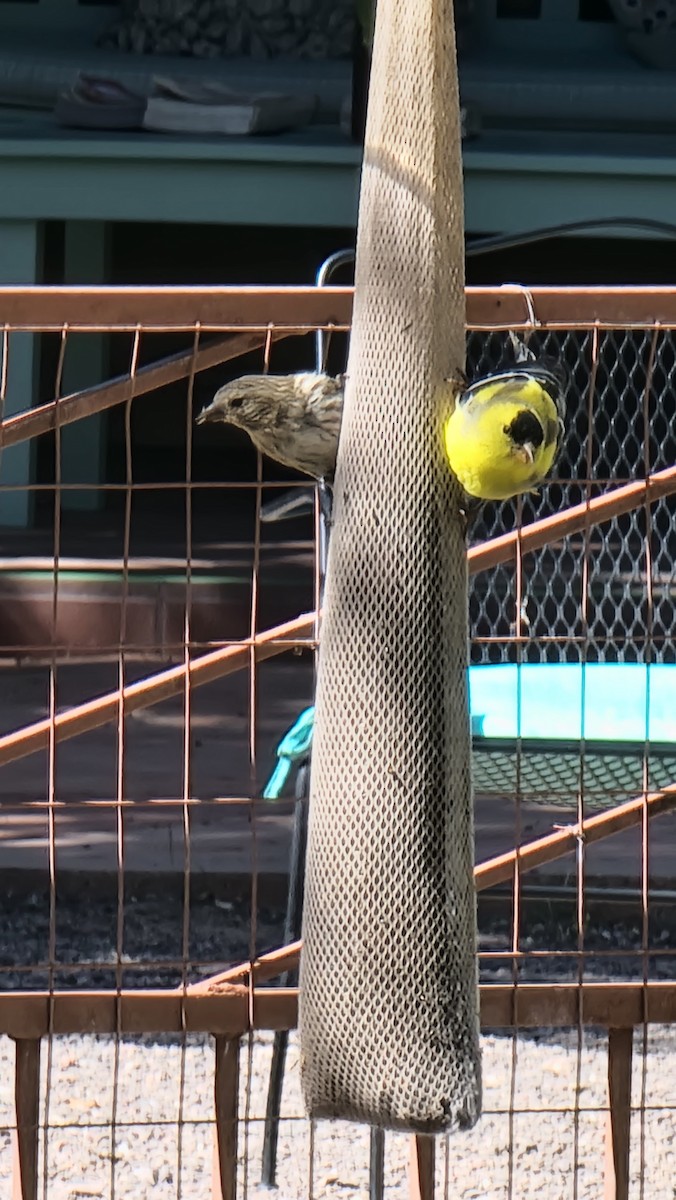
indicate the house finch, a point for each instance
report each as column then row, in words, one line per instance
column 294, row 419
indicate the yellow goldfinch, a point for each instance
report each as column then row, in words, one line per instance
column 294, row 419
column 504, row 433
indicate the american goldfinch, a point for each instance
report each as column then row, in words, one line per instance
column 294, row 419
column 504, row 433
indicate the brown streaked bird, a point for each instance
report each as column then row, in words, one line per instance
column 294, row 419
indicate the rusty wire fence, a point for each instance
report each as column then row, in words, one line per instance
column 153, row 652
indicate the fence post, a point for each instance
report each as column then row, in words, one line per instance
column 421, row 1168
column 27, row 1115
column 618, row 1126
column 226, row 1097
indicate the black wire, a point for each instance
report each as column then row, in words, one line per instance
column 508, row 241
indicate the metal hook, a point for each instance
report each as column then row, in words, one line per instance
column 520, row 344
column 339, row 259
column 296, row 502
column 528, row 297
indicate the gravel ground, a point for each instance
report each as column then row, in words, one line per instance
column 152, row 1158
column 544, row 1076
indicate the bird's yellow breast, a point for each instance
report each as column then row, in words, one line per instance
column 482, row 455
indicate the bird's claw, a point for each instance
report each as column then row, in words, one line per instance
column 458, row 381
column 325, row 502
column 469, row 511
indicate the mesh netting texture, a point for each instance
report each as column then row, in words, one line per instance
column 388, row 988
column 602, row 616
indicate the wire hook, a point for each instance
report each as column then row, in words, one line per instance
column 340, row 258
column 520, row 344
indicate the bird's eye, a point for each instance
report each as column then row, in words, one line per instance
column 237, row 402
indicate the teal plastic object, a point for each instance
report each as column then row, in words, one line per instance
column 294, row 745
column 610, row 702
column 613, row 702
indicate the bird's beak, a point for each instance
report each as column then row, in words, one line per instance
column 207, row 414
column 525, row 454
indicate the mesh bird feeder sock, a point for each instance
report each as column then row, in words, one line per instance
column 388, row 1003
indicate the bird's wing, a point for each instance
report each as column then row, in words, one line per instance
column 505, row 382
column 334, row 384
column 500, row 390
column 325, row 410
column 553, row 431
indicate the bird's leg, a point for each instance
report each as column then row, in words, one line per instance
column 469, row 511
column 458, row 381
column 325, row 521
column 325, row 502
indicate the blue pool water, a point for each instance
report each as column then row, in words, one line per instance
column 622, row 702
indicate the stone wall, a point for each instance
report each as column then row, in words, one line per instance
column 224, row 28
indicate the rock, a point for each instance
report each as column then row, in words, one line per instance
column 216, row 29
column 233, row 40
column 257, row 47
column 261, row 28
column 204, row 48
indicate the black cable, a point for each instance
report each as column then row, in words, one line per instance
column 508, row 241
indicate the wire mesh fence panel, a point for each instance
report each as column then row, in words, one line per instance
column 618, row 429
column 158, row 629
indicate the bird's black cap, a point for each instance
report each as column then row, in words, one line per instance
column 525, row 428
